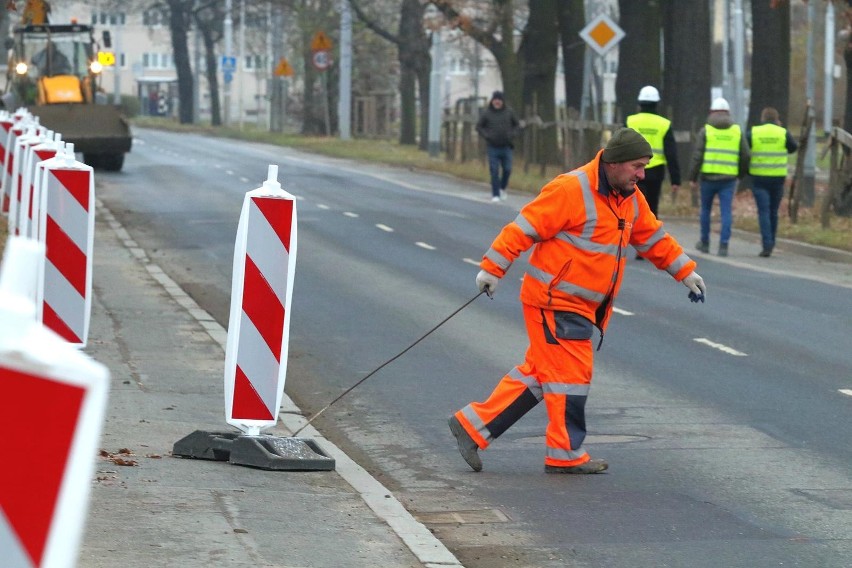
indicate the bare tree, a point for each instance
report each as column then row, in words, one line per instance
column 415, row 63
column 209, row 17
column 572, row 19
column 180, row 18
column 538, row 51
column 638, row 53
column 770, row 58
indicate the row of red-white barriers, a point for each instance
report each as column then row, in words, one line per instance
column 49, row 196
column 45, row 304
column 45, row 377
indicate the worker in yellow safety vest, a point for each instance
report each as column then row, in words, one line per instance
column 721, row 156
column 770, row 143
column 657, row 130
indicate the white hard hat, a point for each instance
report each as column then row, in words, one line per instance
column 719, row 103
column 648, row 94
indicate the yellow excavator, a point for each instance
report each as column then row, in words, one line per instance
column 55, row 73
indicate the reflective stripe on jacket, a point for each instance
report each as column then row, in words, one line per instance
column 768, row 151
column 578, row 232
column 722, row 150
column 653, row 128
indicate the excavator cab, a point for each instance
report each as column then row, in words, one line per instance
column 53, row 64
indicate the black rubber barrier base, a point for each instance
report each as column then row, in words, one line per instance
column 262, row 451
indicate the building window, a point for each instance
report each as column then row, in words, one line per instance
column 255, row 62
column 153, row 18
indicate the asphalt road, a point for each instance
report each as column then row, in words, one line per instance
column 726, row 424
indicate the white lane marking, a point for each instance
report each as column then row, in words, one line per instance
column 351, row 214
column 384, row 228
column 229, row 172
column 471, row 261
column 244, row 179
column 321, row 206
column 721, row 347
column 426, row 246
column 622, row 312
column 847, row 392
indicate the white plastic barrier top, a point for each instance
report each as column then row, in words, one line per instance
column 54, row 398
column 19, row 121
column 259, row 326
column 6, row 122
column 67, row 228
column 32, row 136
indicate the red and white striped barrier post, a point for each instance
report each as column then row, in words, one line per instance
column 20, row 119
column 33, row 171
column 6, row 122
column 261, row 291
column 67, row 228
column 33, row 135
column 45, row 381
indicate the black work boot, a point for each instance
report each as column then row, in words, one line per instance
column 467, row 447
column 701, row 246
column 723, row 249
column 591, row 466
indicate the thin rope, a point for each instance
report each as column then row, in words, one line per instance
column 388, row 362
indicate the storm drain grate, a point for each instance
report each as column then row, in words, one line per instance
column 463, row 517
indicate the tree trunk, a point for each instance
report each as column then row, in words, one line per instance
column 572, row 18
column 638, row 53
column 416, row 61
column 424, row 81
column 210, row 70
column 770, row 59
column 179, row 18
column 686, row 75
column 539, row 53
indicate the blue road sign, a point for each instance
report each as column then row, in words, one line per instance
column 229, row 76
column 228, row 64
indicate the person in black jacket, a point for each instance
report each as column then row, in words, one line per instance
column 498, row 125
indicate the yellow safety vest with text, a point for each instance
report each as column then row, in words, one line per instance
column 722, row 150
column 768, row 151
column 653, row 128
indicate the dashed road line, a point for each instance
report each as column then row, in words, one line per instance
column 847, row 392
column 384, row 228
column 471, row 261
column 622, row 312
column 423, row 245
column 721, row 347
column 322, row 206
column 351, row 214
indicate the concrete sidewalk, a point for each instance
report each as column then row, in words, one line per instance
column 149, row 508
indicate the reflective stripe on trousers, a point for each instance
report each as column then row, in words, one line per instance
column 556, row 370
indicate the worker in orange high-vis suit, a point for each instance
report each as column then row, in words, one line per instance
column 579, row 226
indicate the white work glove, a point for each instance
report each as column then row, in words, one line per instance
column 696, row 286
column 487, row 282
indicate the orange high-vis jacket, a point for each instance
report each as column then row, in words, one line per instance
column 579, row 233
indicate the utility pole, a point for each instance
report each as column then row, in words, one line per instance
column 435, row 81
column 809, row 170
column 116, row 49
column 241, row 62
column 229, row 51
column 739, row 57
column 828, row 103
column 344, row 100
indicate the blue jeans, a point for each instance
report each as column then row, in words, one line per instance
column 768, row 193
column 725, row 190
column 497, row 158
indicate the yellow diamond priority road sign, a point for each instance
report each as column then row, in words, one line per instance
column 602, row 34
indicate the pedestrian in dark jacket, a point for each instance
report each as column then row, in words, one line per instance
column 721, row 156
column 498, row 125
column 770, row 143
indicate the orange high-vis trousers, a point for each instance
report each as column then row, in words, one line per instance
column 556, row 369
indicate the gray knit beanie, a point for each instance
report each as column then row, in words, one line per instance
column 625, row 145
